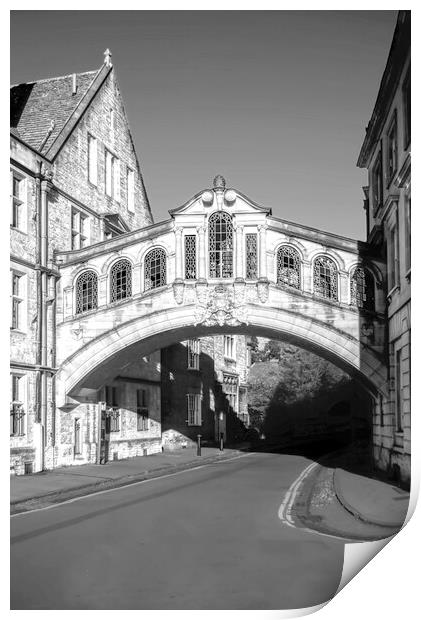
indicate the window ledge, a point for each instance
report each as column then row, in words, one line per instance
column 392, row 291
column 19, row 230
column 13, row 330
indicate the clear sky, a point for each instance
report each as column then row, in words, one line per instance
column 276, row 101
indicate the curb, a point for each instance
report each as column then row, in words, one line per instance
column 53, row 497
column 356, row 513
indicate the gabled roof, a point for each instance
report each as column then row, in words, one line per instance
column 43, row 113
column 40, row 109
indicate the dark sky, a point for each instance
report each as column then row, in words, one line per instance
column 276, row 101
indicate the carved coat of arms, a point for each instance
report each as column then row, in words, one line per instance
column 220, row 306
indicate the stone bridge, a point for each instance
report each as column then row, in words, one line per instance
column 219, row 264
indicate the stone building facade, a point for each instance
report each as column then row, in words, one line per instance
column 75, row 181
column 204, row 390
column 386, row 154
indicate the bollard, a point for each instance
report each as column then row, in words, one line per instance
column 221, row 442
column 199, row 447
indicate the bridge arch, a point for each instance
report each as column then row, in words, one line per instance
column 89, row 365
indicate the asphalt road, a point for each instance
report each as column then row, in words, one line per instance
column 208, row 538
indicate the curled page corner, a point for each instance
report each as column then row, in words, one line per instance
column 358, row 555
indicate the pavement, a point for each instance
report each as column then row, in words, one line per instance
column 48, row 487
column 205, row 538
column 367, row 499
column 371, row 500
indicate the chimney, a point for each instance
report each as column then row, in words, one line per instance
column 74, row 84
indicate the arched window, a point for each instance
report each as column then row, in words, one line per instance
column 155, row 269
column 325, row 278
column 121, row 280
column 86, row 292
column 362, row 289
column 220, row 245
column 288, row 266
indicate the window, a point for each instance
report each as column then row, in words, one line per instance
column 112, row 175
column 377, row 183
column 142, row 410
column 112, row 124
column 17, row 409
column 86, row 292
column 325, row 278
column 251, row 256
column 229, row 347
column 398, row 391
column 80, row 229
column 393, row 257
column 288, row 267
column 190, row 257
column 92, row 160
column 230, row 387
column 406, row 93
column 220, row 245
column 408, row 233
column 78, row 436
column 121, row 280
column 17, row 285
column 392, row 149
column 130, row 190
column 155, row 269
column 194, row 410
column 362, row 289
column 193, row 354
column 113, row 412
column 17, row 199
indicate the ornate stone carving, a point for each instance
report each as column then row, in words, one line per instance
column 263, row 290
column 367, row 332
column 178, row 290
column 220, row 306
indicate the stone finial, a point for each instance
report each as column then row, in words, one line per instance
column 107, row 58
column 219, row 182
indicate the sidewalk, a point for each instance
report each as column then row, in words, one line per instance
column 371, row 500
column 44, row 488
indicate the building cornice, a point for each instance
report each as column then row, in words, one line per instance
column 398, row 54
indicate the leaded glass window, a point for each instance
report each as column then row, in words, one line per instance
column 230, row 387
column 288, row 267
column 325, row 278
column 121, row 280
column 194, row 409
column 362, row 289
column 155, row 269
column 251, row 256
column 190, row 257
column 86, row 292
column 17, row 411
column 220, row 245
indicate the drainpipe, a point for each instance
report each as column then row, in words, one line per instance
column 43, row 184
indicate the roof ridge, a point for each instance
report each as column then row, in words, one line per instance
column 59, row 77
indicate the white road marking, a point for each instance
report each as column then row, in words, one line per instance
column 125, row 486
column 285, row 509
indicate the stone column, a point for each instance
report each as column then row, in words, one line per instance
column 343, row 287
column 239, row 249
column 262, row 251
column 201, row 230
column 178, row 253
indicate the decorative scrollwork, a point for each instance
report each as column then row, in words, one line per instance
column 220, row 307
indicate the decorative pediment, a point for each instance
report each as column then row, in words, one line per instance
column 219, row 197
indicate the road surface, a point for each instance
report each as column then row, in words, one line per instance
column 208, row 538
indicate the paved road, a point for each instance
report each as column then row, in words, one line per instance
column 208, row 538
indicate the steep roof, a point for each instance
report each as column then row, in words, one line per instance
column 39, row 110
